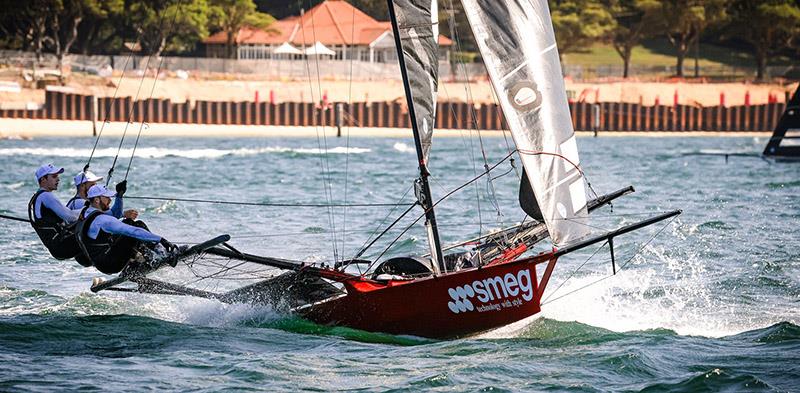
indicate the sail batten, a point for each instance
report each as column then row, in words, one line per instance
column 517, row 44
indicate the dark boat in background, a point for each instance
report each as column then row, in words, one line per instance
column 784, row 145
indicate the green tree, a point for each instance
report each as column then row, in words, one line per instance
column 685, row 20
column 379, row 9
column 65, row 16
column 169, row 25
column 636, row 20
column 453, row 23
column 231, row 15
column 25, row 24
column 769, row 27
column 580, row 23
column 101, row 28
column 283, row 8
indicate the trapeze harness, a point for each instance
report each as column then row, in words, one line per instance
column 108, row 253
column 56, row 235
column 76, row 198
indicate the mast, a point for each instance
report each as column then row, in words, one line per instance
column 422, row 186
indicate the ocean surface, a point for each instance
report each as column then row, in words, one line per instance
column 707, row 302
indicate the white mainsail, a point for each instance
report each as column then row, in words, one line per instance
column 518, row 46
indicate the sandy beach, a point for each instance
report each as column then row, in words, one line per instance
column 479, row 91
column 27, row 128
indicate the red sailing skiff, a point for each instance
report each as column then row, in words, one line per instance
column 450, row 305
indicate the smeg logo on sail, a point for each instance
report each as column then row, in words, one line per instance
column 493, row 293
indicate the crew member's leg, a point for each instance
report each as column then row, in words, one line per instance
column 64, row 247
column 141, row 224
column 115, row 259
column 137, row 223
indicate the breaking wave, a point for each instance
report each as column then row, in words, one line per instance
column 404, row 148
column 666, row 292
column 158, row 152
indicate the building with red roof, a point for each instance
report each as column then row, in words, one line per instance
column 336, row 25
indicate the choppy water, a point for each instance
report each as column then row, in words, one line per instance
column 710, row 304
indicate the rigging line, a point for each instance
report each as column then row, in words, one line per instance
column 133, row 106
column 286, row 234
column 577, row 167
column 639, row 250
column 108, row 111
column 282, row 234
column 479, row 224
column 580, row 222
column 108, row 105
column 278, row 204
column 349, row 105
column 504, row 126
column 351, row 119
column 363, row 250
column 504, row 173
column 153, row 89
column 15, row 218
column 474, row 117
column 325, row 180
column 459, row 188
column 574, row 272
column 474, row 173
column 325, row 158
column 394, row 241
column 403, row 197
column 130, row 120
column 451, row 25
column 620, row 215
column 471, row 150
column 473, row 179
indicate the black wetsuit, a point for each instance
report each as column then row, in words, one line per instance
column 55, row 233
column 109, row 253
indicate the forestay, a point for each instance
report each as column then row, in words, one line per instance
column 418, row 23
column 516, row 41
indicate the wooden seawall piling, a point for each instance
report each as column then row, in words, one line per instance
column 451, row 115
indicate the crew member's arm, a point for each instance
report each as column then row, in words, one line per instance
column 116, row 209
column 114, row 226
column 50, row 201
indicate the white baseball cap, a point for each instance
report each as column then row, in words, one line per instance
column 47, row 169
column 98, row 190
column 83, row 177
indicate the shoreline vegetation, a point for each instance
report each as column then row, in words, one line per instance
column 39, row 128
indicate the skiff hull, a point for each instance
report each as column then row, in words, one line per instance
column 450, row 305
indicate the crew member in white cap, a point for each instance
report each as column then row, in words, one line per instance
column 84, row 181
column 50, row 219
column 107, row 242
